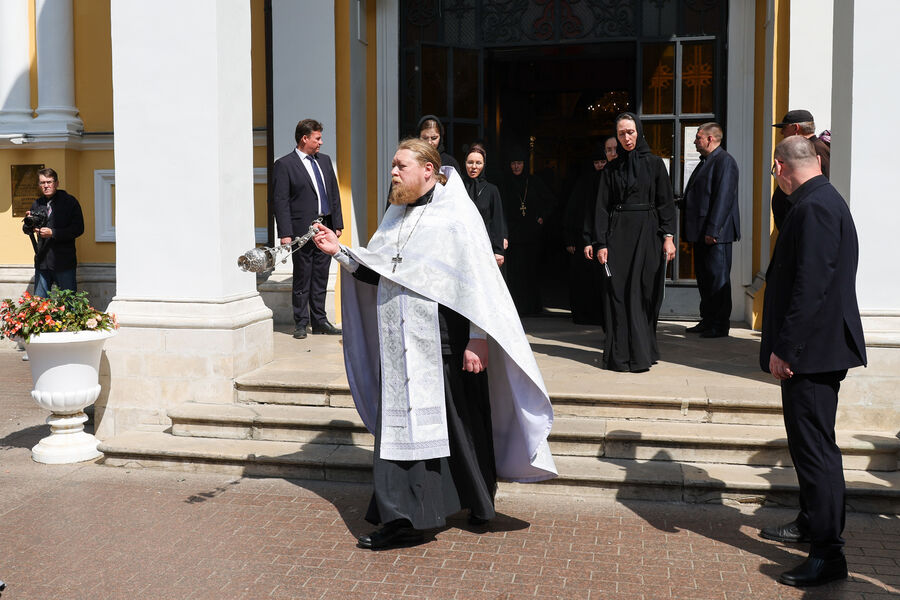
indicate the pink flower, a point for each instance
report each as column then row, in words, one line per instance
column 91, row 323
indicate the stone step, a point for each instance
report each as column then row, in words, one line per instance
column 751, row 404
column 579, row 475
column 571, row 436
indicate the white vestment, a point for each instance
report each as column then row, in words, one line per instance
column 392, row 343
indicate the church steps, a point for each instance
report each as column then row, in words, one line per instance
column 579, row 475
column 715, row 404
column 571, row 436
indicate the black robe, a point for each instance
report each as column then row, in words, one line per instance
column 634, row 210
column 486, row 197
column 586, row 277
column 525, row 194
column 426, row 492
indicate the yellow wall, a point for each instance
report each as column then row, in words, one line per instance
column 93, row 65
column 258, row 64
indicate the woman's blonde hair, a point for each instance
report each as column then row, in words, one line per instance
column 424, row 153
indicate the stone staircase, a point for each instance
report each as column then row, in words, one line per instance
column 696, row 438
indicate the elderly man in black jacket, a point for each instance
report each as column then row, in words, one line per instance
column 712, row 223
column 54, row 252
column 811, row 335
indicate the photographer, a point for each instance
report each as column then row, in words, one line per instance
column 53, row 223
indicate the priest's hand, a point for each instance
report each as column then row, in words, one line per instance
column 475, row 358
column 286, row 240
column 326, row 240
column 602, row 255
column 570, row 249
column 589, row 252
column 499, row 258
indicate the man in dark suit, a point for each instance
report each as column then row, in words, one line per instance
column 811, row 335
column 54, row 244
column 711, row 224
column 305, row 188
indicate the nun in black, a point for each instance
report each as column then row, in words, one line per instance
column 633, row 229
column 586, row 277
column 526, row 204
column 431, row 130
column 486, row 197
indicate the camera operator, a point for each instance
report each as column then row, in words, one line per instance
column 53, row 223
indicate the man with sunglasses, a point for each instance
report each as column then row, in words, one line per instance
column 800, row 122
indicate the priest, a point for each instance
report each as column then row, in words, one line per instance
column 436, row 357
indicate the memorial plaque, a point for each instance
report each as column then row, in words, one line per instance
column 24, row 183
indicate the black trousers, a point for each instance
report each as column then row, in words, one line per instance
column 809, row 403
column 310, row 283
column 713, row 266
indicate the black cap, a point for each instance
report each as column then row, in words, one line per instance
column 795, row 116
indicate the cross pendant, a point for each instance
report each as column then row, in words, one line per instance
column 396, row 260
column 522, row 208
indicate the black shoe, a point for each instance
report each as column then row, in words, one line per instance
column 326, row 328
column 815, row 571
column 300, row 332
column 789, row 533
column 395, row 533
column 698, row 328
column 714, row 333
column 477, row 521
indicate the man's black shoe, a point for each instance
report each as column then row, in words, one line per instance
column 714, row 333
column 698, row 328
column 326, row 328
column 815, row 571
column 789, row 533
column 395, row 533
column 300, row 332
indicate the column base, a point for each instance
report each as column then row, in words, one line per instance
column 168, row 352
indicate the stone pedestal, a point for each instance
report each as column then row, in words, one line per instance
column 191, row 320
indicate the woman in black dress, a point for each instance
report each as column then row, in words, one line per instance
column 486, row 197
column 633, row 230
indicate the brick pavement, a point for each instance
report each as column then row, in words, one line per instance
column 94, row 532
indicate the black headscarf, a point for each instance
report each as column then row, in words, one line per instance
column 632, row 164
column 440, row 147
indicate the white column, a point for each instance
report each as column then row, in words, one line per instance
column 810, row 60
column 15, row 87
column 861, row 167
column 191, row 320
column 56, row 112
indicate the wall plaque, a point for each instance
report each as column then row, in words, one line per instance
column 24, row 183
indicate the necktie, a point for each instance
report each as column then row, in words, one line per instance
column 320, row 183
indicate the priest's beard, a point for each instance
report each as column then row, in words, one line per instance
column 402, row 194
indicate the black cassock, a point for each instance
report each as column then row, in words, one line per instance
column 634, row 210
column 486, row 197
column 586, row 277
column 525, row 200
column 426, row 492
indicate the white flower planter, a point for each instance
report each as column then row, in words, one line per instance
column 65, row 368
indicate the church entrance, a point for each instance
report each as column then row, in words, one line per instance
column 551, row 76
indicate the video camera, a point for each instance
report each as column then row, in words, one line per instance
column 35, row 219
